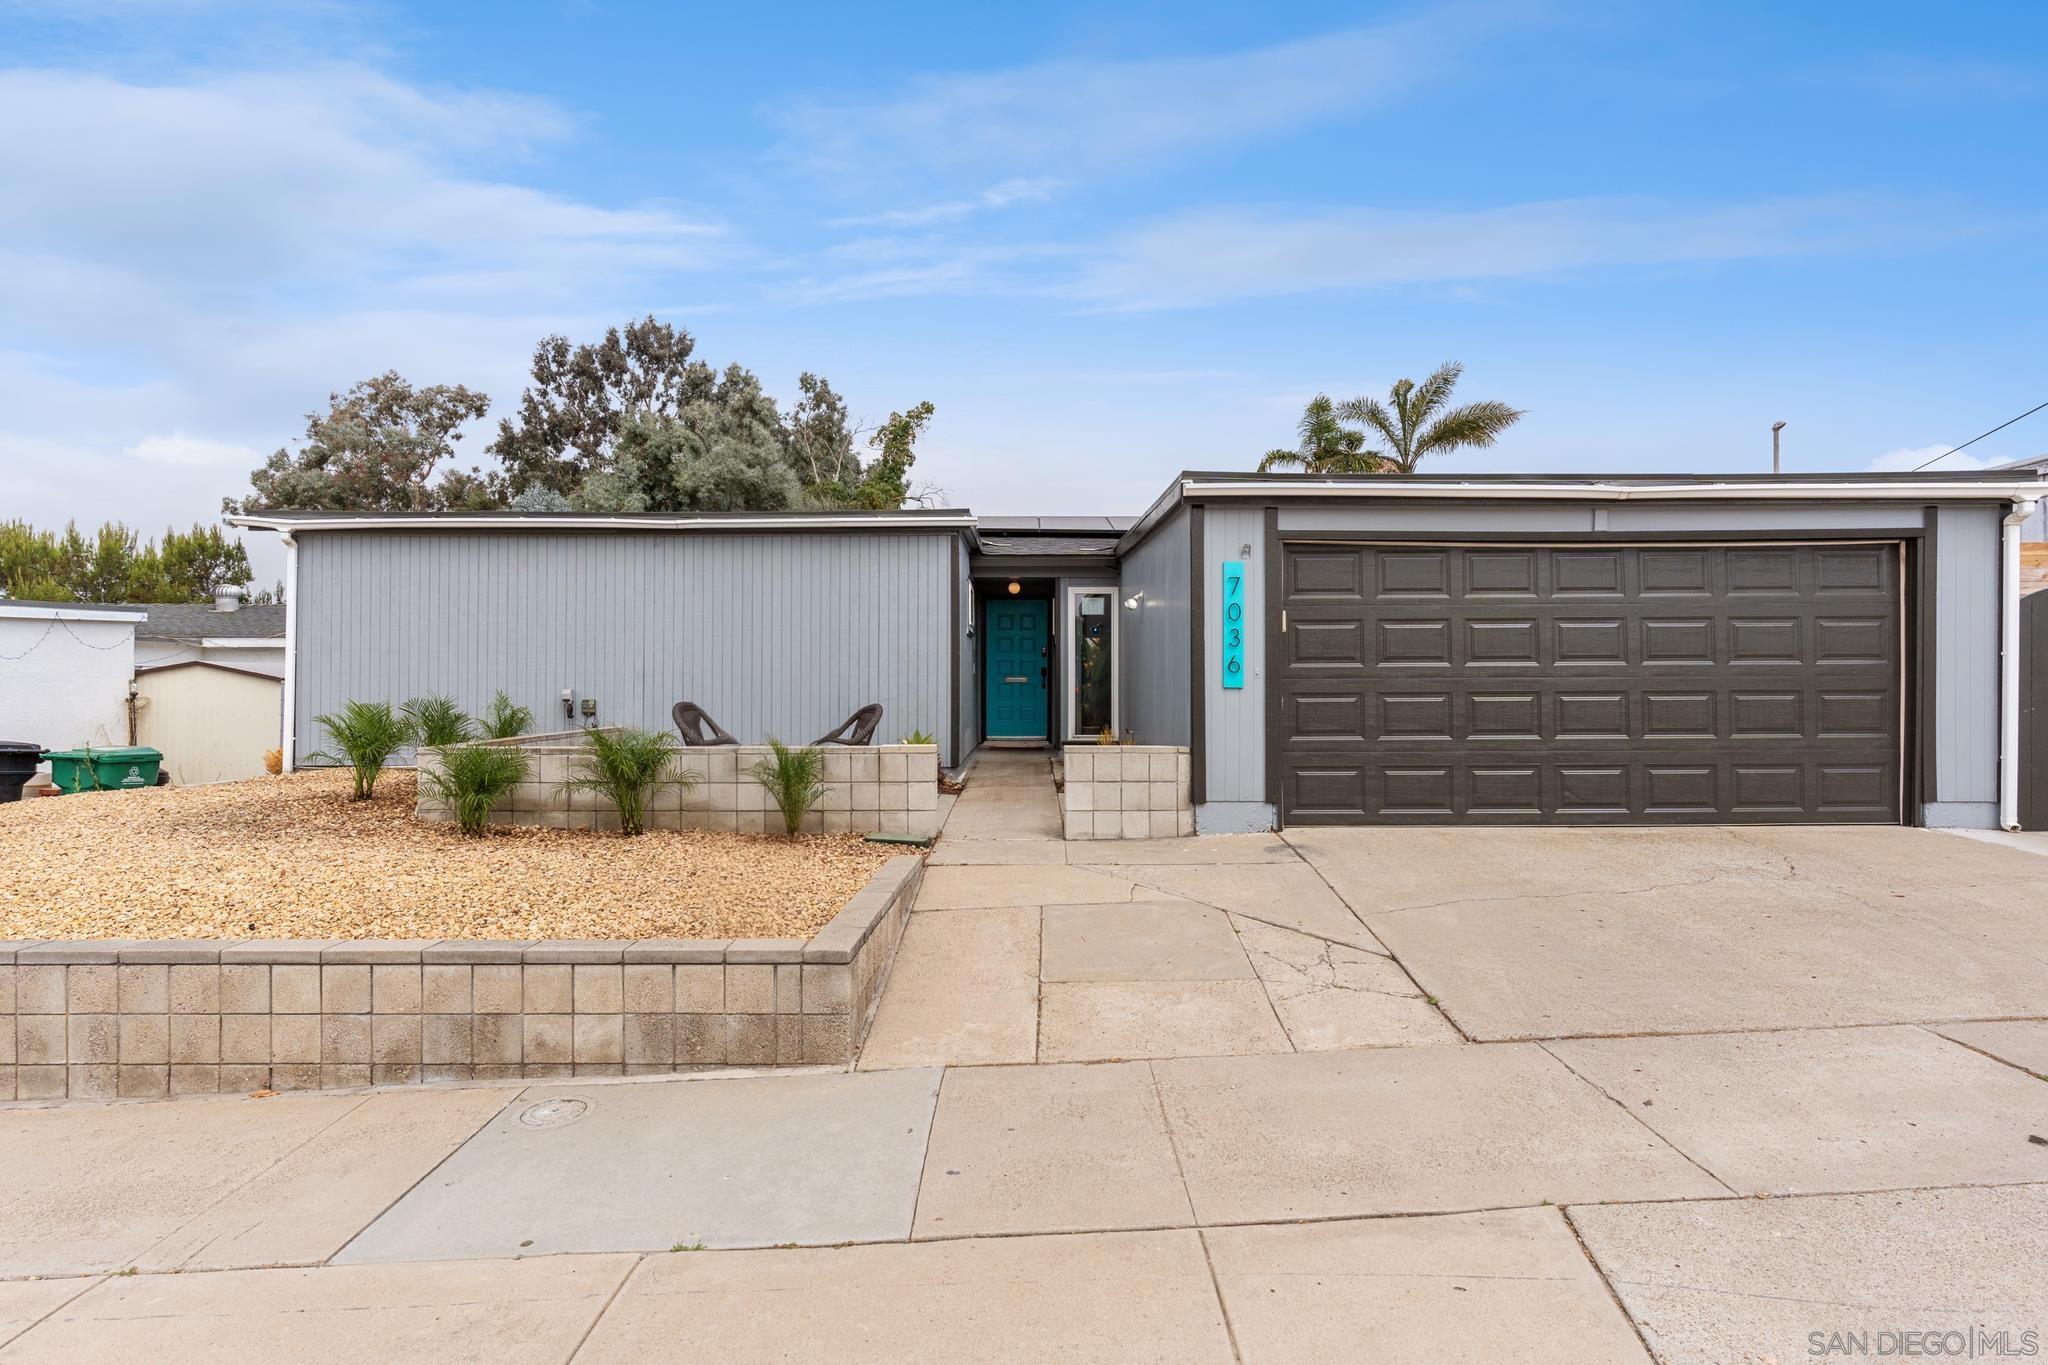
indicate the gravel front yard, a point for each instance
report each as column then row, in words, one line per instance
column 293, row 857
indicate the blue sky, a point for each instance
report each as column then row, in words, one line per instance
column 1107, row 246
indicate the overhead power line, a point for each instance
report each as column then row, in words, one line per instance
column 1974, row 439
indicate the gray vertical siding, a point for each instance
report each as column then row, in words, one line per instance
column 1157, row 636
column 1234, row 721
column 1966, row 643
column 775, row 633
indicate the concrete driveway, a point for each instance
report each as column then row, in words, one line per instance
column 1549, row 933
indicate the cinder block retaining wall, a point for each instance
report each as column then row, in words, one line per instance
column 1126, row 791
column 882, row 789
column 100, row 1020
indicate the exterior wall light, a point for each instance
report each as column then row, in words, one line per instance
column 1131, row 602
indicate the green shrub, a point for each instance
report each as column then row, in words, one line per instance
column 504, row 720
column 437, row 720
column 626, row 766
column 919, row 737
column 795, row 779
column 367, row 733
column 474, row 778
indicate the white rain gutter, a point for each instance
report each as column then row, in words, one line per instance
column 16, row 611
column 2009, row 663
column 288, row 722
column 1386, row 487
column 285, row 522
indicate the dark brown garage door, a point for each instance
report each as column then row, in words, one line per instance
column 1652, row 684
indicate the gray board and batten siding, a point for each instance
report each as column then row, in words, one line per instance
column 779, row 633
column 1155, row 634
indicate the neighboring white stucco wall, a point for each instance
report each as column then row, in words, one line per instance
column 64, row 675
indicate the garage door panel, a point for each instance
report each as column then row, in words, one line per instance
column 1326, row 642
column 1584, row 573
column 1413, row 574
column 1501, row 573
column 1673, row 573
column 1709, row 683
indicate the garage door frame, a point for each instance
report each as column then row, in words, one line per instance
column 1916, row 616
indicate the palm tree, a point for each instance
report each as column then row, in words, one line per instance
column 1327, row 445
column 1416, row 427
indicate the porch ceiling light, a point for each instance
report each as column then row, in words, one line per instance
column 1015, row 587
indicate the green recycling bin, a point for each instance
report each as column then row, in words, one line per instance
column 94, row 770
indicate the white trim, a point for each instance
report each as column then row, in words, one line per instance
column 243, row 641
column 2009, row 663
column 22, row 612
column 285, row 522
column 1849, row 490
column 1069, row 664
column 288, row 720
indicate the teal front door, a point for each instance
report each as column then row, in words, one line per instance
column 1018, row 662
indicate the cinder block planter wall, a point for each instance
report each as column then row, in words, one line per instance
column 101, row 1020
column 1126, row 791
column 881, row 789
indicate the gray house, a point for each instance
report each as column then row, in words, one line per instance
column 1369, row 650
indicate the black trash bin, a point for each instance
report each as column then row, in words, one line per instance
column 18, row 762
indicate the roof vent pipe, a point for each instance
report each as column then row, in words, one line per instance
column 227, row 597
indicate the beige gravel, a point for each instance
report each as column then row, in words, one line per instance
column 293, row 857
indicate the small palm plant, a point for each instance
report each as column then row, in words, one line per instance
column 474, row 778
column 437, row 720
column 626, row 766
column 795, row 779
column 503, row 720
column 367, row 733
column 1327, row 446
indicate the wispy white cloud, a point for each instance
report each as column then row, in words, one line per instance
column 1082, row 116
column 1217, row 256
column 336, row 174
column 1021, row 190
column 1220, row 255
column 1924, row 79
column 178, row 448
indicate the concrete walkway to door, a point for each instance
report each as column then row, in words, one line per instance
column 1027, row 948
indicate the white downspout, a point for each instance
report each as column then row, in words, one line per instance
column 2009, row 664
column 291, row 652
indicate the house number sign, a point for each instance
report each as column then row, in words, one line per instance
column 1233, row 623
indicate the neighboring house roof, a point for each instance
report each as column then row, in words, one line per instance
column 510, row 520
column 1054, row 525
column 1001, row 544
column 25, row 609
column 2039, row 464
column 199, row 621
column 208, row 663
